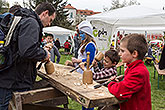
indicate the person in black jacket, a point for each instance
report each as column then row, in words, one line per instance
column 77, row 42
column 162, row 60
column 57, row 43
column 26, row 42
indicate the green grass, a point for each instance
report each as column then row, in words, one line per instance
column 157, row 95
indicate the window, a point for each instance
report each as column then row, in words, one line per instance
column 71, row 15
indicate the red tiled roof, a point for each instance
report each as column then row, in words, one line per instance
column 82, row 12
column 86, row 12
column 69, row 7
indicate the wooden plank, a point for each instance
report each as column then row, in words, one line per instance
column 17, row 101
column 37, row 95
column 54, row 102
column 41, row 107
column 71, row 85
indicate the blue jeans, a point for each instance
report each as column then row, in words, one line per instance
column 5, row 96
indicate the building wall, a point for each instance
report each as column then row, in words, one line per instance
column 72, row 15
column 76, row 15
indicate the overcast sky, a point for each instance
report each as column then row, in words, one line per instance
column 97, row 5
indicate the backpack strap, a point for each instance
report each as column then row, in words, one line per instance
column 11, row 30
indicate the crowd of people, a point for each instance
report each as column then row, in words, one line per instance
column 134, row 88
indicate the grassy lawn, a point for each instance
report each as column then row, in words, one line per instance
column 157, row 95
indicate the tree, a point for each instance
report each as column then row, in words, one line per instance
column 116, row 4
column 61, row 14
column 4, row 6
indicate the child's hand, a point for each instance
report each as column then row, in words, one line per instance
column 82, row 65
column 112, row 78
column 75, row 60
column 119, row 78
column 48, row 46
column 94, row 63
column 69, row 63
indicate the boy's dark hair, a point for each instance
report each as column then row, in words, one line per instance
column 45, row 6
column 51, row 35
column 136, row 42
column 14, row 8
column 112, row 55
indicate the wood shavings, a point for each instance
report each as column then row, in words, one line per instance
column 77, row 84
column 101, row 94
column 91, row 86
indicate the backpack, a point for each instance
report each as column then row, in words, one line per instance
column 7, row 27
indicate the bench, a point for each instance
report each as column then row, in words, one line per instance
column 160, row 72
column 40, row 99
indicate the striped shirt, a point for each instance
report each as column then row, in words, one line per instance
column 104, row 72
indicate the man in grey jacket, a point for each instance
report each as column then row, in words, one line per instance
column 26, row 42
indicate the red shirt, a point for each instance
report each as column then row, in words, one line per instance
column 135, row 88
column 67, row 45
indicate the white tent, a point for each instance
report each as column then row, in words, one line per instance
column 148, row 31
column 142, row 29
column 59, row 32
column 131, row 16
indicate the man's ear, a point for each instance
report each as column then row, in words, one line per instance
column 135, row 54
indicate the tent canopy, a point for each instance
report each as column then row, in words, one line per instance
column 57, row 30
column 135, row 15
column 156, row 41
column 142, row 29
column 135, row 18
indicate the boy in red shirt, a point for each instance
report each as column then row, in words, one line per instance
column 135, row 89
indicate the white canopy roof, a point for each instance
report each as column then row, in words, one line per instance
column 57, row 30
column 135, row 15
column 142, row 29
column 156, row 41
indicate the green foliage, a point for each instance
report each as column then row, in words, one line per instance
column 3, row 6
column 116, row 4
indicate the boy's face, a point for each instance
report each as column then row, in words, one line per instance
column 49, row 39
column 124, row 53
column 107, row 62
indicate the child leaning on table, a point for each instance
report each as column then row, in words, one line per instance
column 111, row 59
column 135, row 89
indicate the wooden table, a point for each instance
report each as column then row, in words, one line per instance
column 160, row 72
column 71, row 84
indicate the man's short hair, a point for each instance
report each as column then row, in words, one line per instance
column 45, row 6
column 112, row 55
column 136, row 42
